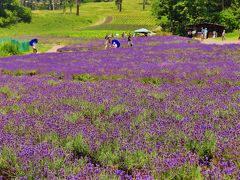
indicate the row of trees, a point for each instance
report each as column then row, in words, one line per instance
column 12, row 12
column 176, row 15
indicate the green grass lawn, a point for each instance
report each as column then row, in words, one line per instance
column 233, row 35
column 55, row 23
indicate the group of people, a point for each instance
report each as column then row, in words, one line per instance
column 111, row 44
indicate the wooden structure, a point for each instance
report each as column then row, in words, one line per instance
column 211, row 27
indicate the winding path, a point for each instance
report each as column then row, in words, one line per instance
column 54, row 48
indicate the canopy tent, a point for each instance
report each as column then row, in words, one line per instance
column 142, row 30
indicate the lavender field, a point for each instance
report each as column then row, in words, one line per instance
column 167, row 108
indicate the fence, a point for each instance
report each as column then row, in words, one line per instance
column 23, row 46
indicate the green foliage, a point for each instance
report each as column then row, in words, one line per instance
column 105, row 176
column 199, row 82
column 7, row 109
column 51, row 138
column 53, row 83
column 88, row 110
column 78, row 145
column 117, row 109
column 24, row 14
column 225, row 113
column 159, row 95
column 9, row 48
column 92, row 78
column 34, row 109
column 138, row 159
column 9, row 165
column 187, row 172
column 156, row 81
column 174, row 115
column 56, row 164
column 11, row 12
column 204, row 148
column 8, row 93
column 144, row 117
column 20, row 72
column 108, row 154
column 74, row 116
column 84, row 77
column 229, row 20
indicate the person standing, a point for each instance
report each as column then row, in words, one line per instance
column 130, row 43
column 214, row 34
column 223, row 35
column 205, row 33
column 108, row 42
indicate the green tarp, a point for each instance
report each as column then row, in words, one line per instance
column 23, row 46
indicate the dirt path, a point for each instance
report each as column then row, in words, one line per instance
column 106, row 20
column 219, row 42
column 54, row 48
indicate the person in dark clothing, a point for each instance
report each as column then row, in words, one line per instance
column 130, row 43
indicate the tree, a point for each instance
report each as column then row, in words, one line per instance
column 77, row 4
column 70, row 2
column 144, row 4
column 228, row 19
column 11, row 12
column 119, row 5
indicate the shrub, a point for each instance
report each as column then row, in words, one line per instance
column 8, row 48
column 53, row 83
column 108, row 154
column 11, row 12
column 138, row 159
column 79, row 146
column 9, row 165
column 92, row 78
column 229, row 20
column 19, row 72
column 24, row 14
column 118, row 109
column 205, row 148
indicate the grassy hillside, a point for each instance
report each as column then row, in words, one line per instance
column 88, row 24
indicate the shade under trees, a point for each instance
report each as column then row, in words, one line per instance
column 175, row 15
